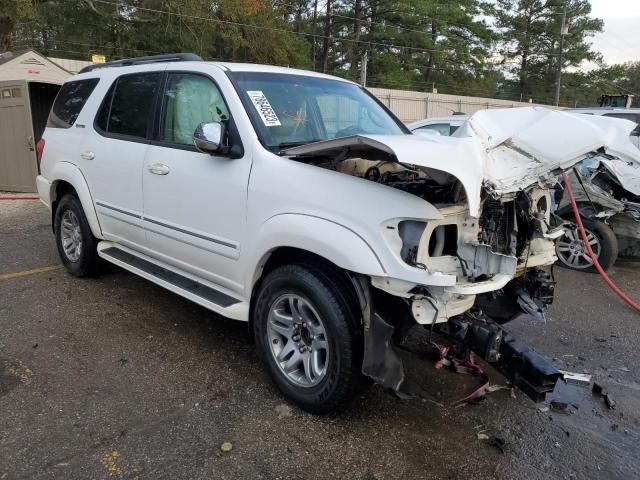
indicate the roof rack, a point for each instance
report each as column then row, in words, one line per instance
column 124, row 62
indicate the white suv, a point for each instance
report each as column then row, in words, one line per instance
column 297, row 202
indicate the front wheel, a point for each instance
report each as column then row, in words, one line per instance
column 309, row 337
column 573, row 254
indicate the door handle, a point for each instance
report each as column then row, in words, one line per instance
column 88, row 155
column 158, row 169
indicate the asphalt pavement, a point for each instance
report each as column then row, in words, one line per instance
column 116, row 378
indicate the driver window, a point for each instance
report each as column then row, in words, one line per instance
column 189, row 100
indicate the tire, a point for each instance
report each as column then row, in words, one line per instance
column 335, row 323
column 82, row 262
column 607, row 244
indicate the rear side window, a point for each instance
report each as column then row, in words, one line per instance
column 127, row 107
column 69, row 102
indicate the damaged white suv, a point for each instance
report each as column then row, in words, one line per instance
column 299, row 203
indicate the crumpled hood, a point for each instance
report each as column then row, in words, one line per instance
column 503, row 150
column 524, row 145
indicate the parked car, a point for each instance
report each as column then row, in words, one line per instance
column 608, row 196
column 631, row 114
column 297, row 202
column 444, row 126
column 607, row 193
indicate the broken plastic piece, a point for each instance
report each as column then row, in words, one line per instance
column 581, row 379
column 609, row 402
column 559, row 405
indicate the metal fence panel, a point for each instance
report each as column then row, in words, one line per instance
column 411, row 106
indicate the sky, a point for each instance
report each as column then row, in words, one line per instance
column 620, row 40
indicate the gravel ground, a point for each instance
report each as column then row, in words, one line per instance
column 116, row 378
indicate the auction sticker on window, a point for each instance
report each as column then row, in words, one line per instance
column 264, row 108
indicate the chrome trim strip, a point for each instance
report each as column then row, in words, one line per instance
column 193, row 234
column 162, row 224
column 135, row 215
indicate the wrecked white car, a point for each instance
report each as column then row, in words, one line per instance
column 607, row 190
column 297, row 202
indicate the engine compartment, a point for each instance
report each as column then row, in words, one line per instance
column 436, row 187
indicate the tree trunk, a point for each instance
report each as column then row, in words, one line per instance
column 524, row 64
column 326, row 44
column 6, row 28
column 313, row 47
column 354, row 50
column 432, row 54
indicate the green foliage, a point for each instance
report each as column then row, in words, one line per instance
column 489, row 48
column 530, row 43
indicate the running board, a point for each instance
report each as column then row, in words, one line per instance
column 197, row 291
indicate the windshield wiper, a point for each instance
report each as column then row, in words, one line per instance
column 285, row 145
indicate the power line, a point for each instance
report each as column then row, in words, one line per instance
column 390, row 24
column 264, row 28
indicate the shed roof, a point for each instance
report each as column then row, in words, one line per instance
column 32, row 67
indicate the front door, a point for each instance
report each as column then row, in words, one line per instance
column 194, row 203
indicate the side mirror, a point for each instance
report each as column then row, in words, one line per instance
column 208, row 137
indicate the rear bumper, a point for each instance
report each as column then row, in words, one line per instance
column 44, row 190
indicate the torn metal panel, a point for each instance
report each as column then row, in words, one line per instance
column 381, row 362
column 581, row 379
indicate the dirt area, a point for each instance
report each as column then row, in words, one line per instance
column 114, row 377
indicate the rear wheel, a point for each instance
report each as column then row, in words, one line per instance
column 573, row 254
column 76, row 244
column 308, row 337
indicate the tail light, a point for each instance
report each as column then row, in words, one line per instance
column 39, row 150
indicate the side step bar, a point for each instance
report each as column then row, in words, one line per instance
column 199, row 292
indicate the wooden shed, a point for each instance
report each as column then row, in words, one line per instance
column 29, row 83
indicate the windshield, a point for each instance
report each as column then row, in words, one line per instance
column 288, row 110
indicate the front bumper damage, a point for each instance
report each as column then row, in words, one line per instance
column 488, row 261
column 387, row 326
column 497, row 265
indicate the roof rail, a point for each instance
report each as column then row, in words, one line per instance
column 124, row 62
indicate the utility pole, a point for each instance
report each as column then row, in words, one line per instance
column 313, row 48
column 563, row 31
column 363, row 69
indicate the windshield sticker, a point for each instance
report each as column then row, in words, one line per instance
column 266, row 112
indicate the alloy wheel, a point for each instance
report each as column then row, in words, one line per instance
column 298, row 340
column 573, row 253
column 71, row 236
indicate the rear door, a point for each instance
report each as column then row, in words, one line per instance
column 113, row 153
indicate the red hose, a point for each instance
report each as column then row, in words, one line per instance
column 583, row 234
column 30, row 197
